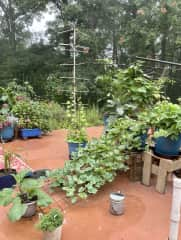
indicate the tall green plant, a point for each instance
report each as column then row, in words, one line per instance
column 132, row 91
column 76, row 120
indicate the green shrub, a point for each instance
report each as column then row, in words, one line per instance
column 32, row 114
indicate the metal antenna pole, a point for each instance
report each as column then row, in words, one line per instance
column 74, row 66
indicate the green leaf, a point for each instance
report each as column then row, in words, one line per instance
column 6, row 196
column 43, row 199
column 74, row 200
column 17, row 210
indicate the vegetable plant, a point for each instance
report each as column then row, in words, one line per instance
column 76, row 121
column 165, row 118
column 136, row 91
column 50, row 221
column 32, row 114
column 100, row 161
column 130, row 90
column 25, row 191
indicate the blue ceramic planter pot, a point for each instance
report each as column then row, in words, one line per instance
column 7, row 133
column 27, row 132
column 167, row 147
column 74, row 147
column 7, row 181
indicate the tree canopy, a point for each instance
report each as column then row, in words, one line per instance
column 115, row 29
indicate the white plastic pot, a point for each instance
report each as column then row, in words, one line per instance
column 55, row 235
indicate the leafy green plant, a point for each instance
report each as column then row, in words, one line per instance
column 76, row 120
column 49, row 222
column 131, row 91
column 90, row 169
column 32, row 114
column 130, row 133
column 165, row 118
column 100, row 161
column 138, row 91
column 25, row 191
column 13, row 93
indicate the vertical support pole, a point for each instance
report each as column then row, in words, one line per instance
column 175, row 209
column 147, row 165
column 74, row 67
column 162, row 176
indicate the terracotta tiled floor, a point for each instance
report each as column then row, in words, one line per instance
column 146, row 215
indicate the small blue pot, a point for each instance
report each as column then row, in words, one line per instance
column 7, row 181
column 27, row 132
column 7, row 133
column 74, row 147
column 167, row 147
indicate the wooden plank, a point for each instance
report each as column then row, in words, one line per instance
column 162, row 177
column 176, row 165
column 154, row 169
column 147, row 165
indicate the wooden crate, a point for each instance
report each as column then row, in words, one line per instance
column 135, row 165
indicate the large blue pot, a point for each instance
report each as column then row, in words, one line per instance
column 27, row 132
column 7, row 181
column 7, row 133
column 167, row 147
column 74, row 147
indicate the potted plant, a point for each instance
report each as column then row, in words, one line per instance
column 6, row 128
column 6, row 179
column 77, row 136
column 31, row 118
column 24, row 197
column 51, row 225
column 165, row 119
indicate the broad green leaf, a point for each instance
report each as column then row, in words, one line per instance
column 17, row 210
column 43, row 199
column 6, row 196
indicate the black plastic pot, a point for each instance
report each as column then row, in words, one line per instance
column 37, row 173
column 6, row 179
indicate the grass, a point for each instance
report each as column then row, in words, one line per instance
column 58, row 116
column 94, row 117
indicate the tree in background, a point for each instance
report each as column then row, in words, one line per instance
column 116, row 29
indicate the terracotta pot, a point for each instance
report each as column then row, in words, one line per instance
column 55, row 235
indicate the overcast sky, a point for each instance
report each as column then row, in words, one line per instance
column 39, row 25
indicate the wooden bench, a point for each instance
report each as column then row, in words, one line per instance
column 159, row 166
